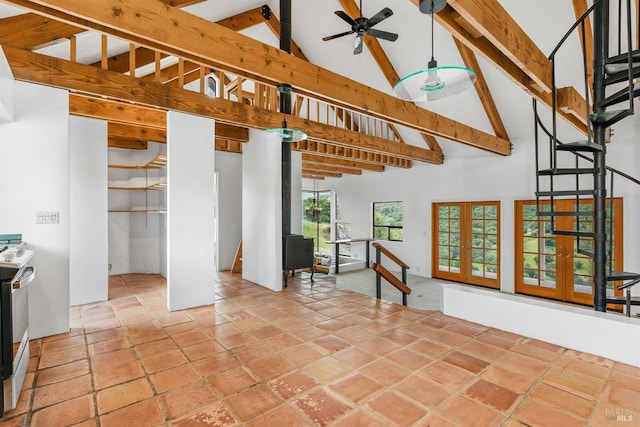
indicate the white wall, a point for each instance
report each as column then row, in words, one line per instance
column 473, row 175
column 190, row 203
column 35, row 160
column 262, row 212
column 229, row 169
column 89, row 281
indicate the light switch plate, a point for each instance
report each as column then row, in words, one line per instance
column 47, row 217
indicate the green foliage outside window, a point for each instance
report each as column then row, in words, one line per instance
column 387, row 221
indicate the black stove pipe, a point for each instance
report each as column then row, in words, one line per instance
column 285, row 108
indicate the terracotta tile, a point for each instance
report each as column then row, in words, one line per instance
column 621, row 379
column 321, row 407
column 514, row 381
column 215, row 414
column 302, row 354
column 463, row 411
column 108, row 346
column 163, row 361
column 187, row 398
column 22, row 407
column 492, row 395
column 462, row 330
column 356, row 419
column 397, row 410
column 252, row 351
column 464, row 361
column 385, row 372
column 356, row 387
column 145, row 332
column 271, row 366
column 622, row 397
column 14, row 421
column 331, row 344
column 281, row 342
column 232, row 381
column 105, row 335
column 65, row 413
column 573, row 382
column 61, row 391
column 409, row 359
column 217, row 363
column 429, row 348
column 596, row 371
column 379, row 346
column 497, row 340
column 422, row 390
column 279, row 417
column 265, row 332
column 146, row 412
column 63, row 344
column 354, row 357
column 63, row 372
column 202, row 350
column 122, row 395
column 446, row 374
column 523, row 364
column 536, row 351
column 119, row 374
column 433, row 420
column 154, row 348
column 253, row 402
column 113, row 359
column 310, row 333
column 174, row 377
column 562, row 400
column 535, row 412
column 327, row 369
column 62, row 357
column 482, row 351
column 293, row 384
column 627, row 369
column 606, row 414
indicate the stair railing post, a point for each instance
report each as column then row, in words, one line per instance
column 601, row 51
column 378, row 281
column 404, row 280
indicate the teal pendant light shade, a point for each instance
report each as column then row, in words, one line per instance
column 284, row 133
column 434, row 82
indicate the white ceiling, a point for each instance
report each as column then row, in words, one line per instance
column 544, row 20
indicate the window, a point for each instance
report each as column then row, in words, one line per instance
column 316, row 218
column 387, row 221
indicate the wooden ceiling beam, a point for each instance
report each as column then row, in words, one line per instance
column 350, row 154
column 130, row 131
column 315, row 172
column 491, row 20
column 482, row 89
column 181, row 3
column 127, row 143
column 579, row 8
column 354, row 164
column 316, row 167
column 179, row 33
column 32, row 31
column 312, row 176
column 228, row 145
column 246, row 19
column 449, row 19
column 115, row 111
column 36, row 68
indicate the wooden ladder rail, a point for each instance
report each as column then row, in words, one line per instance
column 383, row 272
column 237, row 262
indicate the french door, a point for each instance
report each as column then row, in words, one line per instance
column 556, row 266
column 466, row 242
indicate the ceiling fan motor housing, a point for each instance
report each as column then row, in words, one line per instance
column 432, row 6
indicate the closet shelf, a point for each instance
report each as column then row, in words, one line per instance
column 155, row 163
column 146, row 211
column 155, row 186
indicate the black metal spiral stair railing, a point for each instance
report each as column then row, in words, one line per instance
column 572, row 164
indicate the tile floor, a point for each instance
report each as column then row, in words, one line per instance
column 310, row 355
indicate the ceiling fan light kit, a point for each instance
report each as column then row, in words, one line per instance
column 435, row 82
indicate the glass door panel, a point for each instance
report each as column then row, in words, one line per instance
column 466, row 242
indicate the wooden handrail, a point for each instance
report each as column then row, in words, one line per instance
column 390, row 255
column 391, row 278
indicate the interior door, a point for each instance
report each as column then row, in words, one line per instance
column 556, row 266
column 467, row 242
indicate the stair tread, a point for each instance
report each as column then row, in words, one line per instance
column 608, row 118
column 566, row 171
column 620, row 96
column 623, row 58
column 565, row 193
column 622, row 300
column 574, row 233
column 622, row 275
column 579, row 146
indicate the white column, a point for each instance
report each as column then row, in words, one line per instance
column 190, row 209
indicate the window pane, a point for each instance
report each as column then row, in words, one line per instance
column 387, row 220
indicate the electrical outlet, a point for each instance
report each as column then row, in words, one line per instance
column 109, row 266
column 47, row 217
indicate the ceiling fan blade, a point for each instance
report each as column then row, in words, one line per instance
column 378, row 17
column 358, row 48
column 342, row 14
column 335, row 36
column 382, row 34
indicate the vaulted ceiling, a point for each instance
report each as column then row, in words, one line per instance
column 129, row 62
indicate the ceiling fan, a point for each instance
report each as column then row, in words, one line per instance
column 361, row 26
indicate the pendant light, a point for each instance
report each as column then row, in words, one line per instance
column 284, row 133
column 435, row 82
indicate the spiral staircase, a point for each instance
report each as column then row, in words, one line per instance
column 578, row 170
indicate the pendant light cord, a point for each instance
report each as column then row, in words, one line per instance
column 432, row 7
